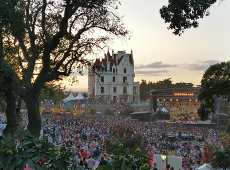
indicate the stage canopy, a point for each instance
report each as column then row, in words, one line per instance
column 69, row 98
column 79, row 97
column 84, row 99
column 164, row 110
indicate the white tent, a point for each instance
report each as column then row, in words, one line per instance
column 69, row 98
column 205, row 167
column 164, row 110
column 79, row 97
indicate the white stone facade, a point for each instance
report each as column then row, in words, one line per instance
column 114, row 80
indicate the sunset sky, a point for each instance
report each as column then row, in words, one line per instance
column 159, row 54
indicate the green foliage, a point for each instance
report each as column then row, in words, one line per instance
column 185, row 14
column 214, row 84
column 159, row 111
column 228, row 127
column 85, row 95
column 109, row 112
column 51, row 92
column 145, row 87
column 129, row 140
column 126, row 112
column 32, row 150
column 136, row 160
column 218, row 157
column 2, row 102
column 93, row 111
column 45, row 41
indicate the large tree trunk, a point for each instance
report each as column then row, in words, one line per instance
column 11, row 126
column 32, row 104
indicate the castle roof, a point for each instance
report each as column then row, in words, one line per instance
column 112, row 60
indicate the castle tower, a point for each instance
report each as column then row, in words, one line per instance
column 91, row 82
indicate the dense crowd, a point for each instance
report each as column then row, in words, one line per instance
column 85, row 135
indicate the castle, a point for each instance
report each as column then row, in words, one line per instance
column 114, row 80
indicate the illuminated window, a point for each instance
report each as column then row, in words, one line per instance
column 124, row 79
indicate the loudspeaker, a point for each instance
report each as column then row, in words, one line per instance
column 154, row 103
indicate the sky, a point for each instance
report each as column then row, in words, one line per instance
column 159, row 54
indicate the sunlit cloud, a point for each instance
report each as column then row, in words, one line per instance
column 201, row 65
column 151, row 72
column 210, row 61
column 158, row 64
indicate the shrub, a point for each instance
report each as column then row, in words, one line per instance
column 93, row 111
column 108, row 112
column 32, row 150
column 159, row 111
column 138, row 159
column 129, row 140
column 228, row 127
column 126, row 112
column 218, row 156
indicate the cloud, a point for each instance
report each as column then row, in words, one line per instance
column 197, row 67
column 158, row 64
column 202, row 65
column 151, row 72
column 210, row 61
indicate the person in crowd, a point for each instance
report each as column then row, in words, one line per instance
column 84, row 163
column 155, row 165
column 76, row 160
column 91, row 163
column 167, row 167
column 97, row 153
column 84, row 154
column 103, row 161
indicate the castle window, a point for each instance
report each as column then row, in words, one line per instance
column 124, row 79
column 102, row 78
column 114, row 78
column 124, row 89
column 135, row 90
column 102, row 89
column 113, row 70
column 114, row 89
column 124, row 70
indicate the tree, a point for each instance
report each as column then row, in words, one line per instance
column 9, row 88
column 85, row 95
column 51, row 92
column 109, row 112
column 185, row 14
column 93, row 112
column 214, row 84
column 228, row 127
column 127, row 112
column 55, row 39
column 166, row 83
